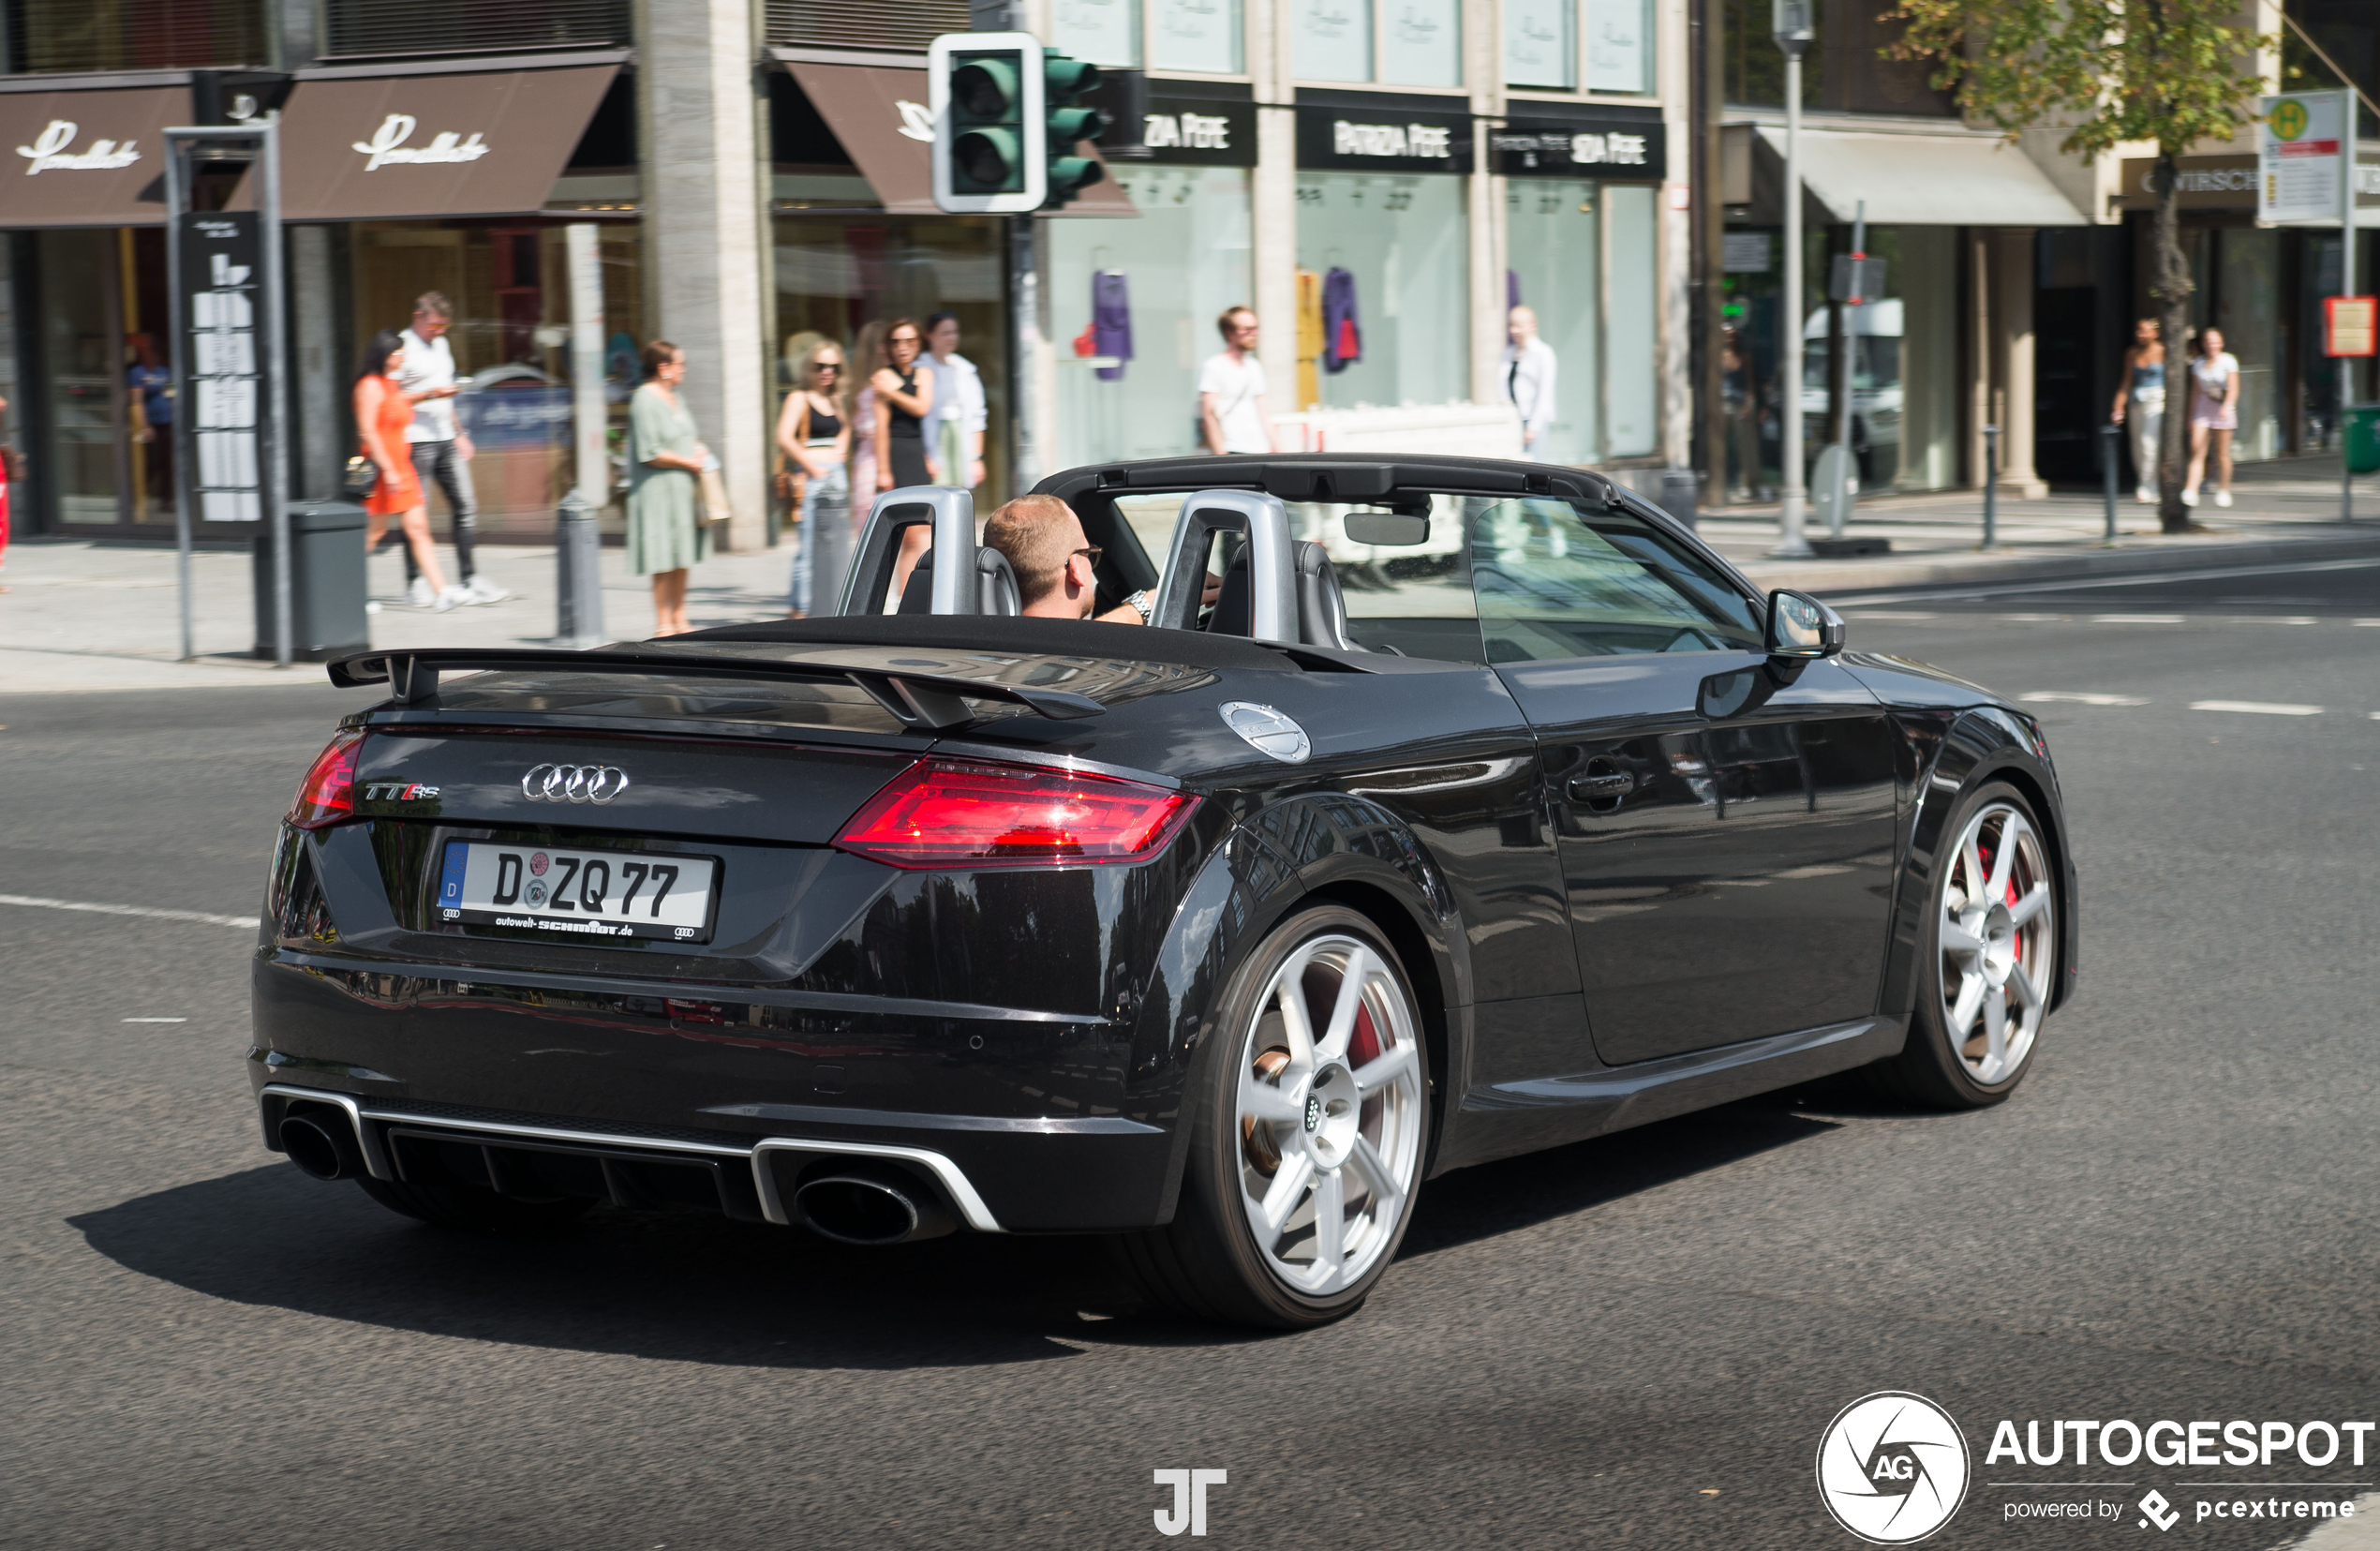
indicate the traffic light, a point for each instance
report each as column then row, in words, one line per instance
column 1064, row 83
column 1007, row 121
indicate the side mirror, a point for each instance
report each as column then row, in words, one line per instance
column 1390, row 527
column 1802, row 629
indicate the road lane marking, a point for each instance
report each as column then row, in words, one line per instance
column 204, row 917
column 2368, row 622
column 157, row 1019
column 1891, row 614
column 2137, row 619
column 2255, row 708
column 2086, row 584
column 2274, row 619
column 2083, row 697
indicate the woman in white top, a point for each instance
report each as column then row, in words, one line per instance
column 2214, row 414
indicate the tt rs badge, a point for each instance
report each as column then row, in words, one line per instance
column 595, row 783
column 1267, row 731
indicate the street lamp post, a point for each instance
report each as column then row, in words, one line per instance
column 1791, row 29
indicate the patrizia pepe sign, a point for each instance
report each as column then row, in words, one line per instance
column 1374, row 132
column 49, row 154
column 387, row 145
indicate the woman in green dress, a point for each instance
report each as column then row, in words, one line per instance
column 665, row 535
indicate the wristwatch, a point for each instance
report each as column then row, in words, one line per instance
column 1140, row 601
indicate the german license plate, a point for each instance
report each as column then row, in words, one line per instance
column 579, row 896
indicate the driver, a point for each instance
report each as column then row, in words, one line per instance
column 1056, row 565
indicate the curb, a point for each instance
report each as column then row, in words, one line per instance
column 1935, row 572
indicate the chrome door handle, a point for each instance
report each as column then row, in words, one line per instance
column 1601, row 788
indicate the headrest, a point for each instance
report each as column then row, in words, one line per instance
column 995, row 586
column 1233, row 604
column 1322, row 608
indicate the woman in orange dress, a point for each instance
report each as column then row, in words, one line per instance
column 382, row 413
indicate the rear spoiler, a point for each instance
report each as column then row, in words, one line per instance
column 926, row 702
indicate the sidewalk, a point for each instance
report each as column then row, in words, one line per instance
column 2285, row 511
column 85, row 615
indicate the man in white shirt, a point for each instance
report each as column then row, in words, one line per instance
column 440, row 447
column 1528, row 380
column 955, row 428
column 1232, row 415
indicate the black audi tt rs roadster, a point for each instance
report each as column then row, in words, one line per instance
column 1444, row 810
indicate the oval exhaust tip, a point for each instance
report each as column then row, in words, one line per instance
column 867, row 1206
column 322, row 1145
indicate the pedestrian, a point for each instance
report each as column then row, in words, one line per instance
column 813, row 432
column 665, row 538
column 1232, row 415
column 954, row 432
column 786, row 482
column 441, row 448
column 382, row 414
column 1742, row 413
column 150, row 387
column 1528, row 380
column 904, row 397
column 2214, row 415
column 867, row 357
column 2140, row 403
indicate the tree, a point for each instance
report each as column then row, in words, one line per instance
column 2171, row 71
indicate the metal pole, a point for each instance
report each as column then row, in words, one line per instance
column 1793, row 545
column 175, row 196
column 2108, row 448
column 277, row 477
column 2348, row 108
column 1025, row 277
column 1991, row 487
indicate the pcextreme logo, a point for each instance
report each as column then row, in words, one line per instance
column 1892, row 1468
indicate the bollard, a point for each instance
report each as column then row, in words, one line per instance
column 578, row 594
column 2111, row 446
column 1991, row 485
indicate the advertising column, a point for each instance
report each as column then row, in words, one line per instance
column 1582, row 219
column 1383, row 251
column 1134, row 303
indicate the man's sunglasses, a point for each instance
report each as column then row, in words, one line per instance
column 1092, row 550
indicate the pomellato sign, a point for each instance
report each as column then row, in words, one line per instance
column 387, row 145
column 49, row 154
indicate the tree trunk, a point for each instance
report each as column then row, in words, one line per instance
column 2172, row 290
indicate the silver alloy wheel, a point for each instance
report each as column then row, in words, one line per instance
column 1999, row 944
column 1329, row 1114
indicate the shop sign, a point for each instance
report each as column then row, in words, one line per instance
column 1381, row 135
column 387, row 145
column 2202, row 183
column 1613, row 146
column 49, row 154
column 222, row 285
column 1200, row 131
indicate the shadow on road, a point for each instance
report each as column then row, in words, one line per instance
column 699, row 1290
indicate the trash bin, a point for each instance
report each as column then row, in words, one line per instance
column 2363, row 438
column 326, row 582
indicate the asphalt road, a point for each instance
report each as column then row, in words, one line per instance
column 1634, row 1341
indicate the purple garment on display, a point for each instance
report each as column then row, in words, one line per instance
column 1511, row 288
column 1342, row 326
column 1111, row 320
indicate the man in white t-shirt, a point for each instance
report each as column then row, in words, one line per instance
column 1232, row 415
column 1527, row 369
column 440, row 447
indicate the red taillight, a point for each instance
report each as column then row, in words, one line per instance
column 327, row 795
column 948, row 812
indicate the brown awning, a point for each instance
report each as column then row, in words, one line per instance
column 880, row 114
column 476, row 142
column 87, row 158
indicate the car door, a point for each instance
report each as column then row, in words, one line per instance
column 1725, row 838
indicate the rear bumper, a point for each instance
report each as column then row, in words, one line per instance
column 740, row 1091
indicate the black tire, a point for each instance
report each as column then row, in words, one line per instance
column 1930, row 1071
column 1206, row 1263
column 472, row 1209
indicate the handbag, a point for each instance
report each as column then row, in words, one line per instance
column 712, row 492
column 359, row 479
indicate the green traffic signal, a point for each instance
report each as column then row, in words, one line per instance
column 1067, row 78
column 1064, row 82
column 987, row 129
column 1070, row 175
column 1069, row 125
column 986, row 88
column 987, row 160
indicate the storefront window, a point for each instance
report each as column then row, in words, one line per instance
column 102, row 310
column 1541, row 47
column 1105, row 32
column 1398, row 250
column 1619, row 46
column 1333, row 40
column 1632, row 382
column 1152, row 286
column 1921, row 273
column 1421, row 42
column 837, row 274
column 2249, row 313
column 1555, row 250
column 1201, row 36
column 510, row 285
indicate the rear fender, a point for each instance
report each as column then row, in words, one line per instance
column 1986, row 743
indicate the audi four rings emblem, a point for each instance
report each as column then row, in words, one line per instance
column 595, row 783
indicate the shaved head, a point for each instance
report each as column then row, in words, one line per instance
column 1037, row 533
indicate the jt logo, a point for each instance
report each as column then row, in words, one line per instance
column 1189, row 1499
